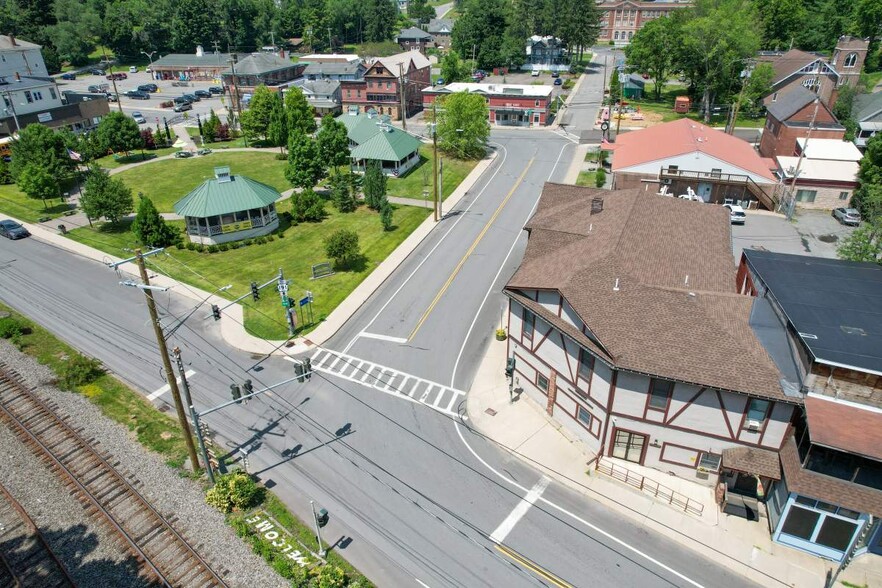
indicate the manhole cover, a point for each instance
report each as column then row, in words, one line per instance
column 828, row 238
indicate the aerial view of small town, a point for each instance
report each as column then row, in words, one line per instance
column 441, row 293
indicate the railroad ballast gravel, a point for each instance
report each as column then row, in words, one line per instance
column 179, row 499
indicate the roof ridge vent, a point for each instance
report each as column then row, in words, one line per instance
column 222, row 174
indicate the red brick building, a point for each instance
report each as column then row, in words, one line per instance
column 509, row 104
column 621, row 19
column 380, row 87
column 788, row 118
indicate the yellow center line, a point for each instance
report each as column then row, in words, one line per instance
column 469, row 252
column 533, row 567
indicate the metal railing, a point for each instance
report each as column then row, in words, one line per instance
column 755, row 189
column 658, row 491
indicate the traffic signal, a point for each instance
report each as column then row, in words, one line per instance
column 322, row 517
column 510, row 367
column 255, row 291
column 235, row 392
column 215, row 312
column 307, row 368
column 300, row 371
column 249, row 387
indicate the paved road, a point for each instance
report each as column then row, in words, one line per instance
column 418, row 494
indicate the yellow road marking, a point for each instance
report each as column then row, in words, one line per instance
column 470, row 251
column 533, row 567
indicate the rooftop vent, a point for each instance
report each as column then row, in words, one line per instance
column 199, row 51
column 596, row 205
column 222, row 174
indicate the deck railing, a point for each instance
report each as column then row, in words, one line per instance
column 658, row 491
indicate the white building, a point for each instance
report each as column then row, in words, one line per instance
column 827, row 173
column 20, row 57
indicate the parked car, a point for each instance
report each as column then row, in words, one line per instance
column 558, row 81
column 110, row 97
column 192, row 97
column 137, row 95
column 482, row 72
column 148, row 88
column 68, row 76
column 133, row 69
column 94, row 89
column 12, row 230
column 205, row 151
column 439, row 82
column 95, row 71
column 183, row 154
column 847, row 216
column 535, row 73
column 139, row 118
column 736, row 214
column 555, row 74
column 215, row 89
column 181, row 107
column 202, row 94
column 181, row 100
column 117, row 76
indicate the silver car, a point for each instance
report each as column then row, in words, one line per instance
column 847, row 216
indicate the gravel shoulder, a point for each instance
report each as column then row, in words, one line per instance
column 95, row 557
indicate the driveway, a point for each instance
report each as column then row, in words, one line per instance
column 811, row 232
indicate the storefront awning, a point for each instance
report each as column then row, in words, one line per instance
column 845, row 426
column 752, row 460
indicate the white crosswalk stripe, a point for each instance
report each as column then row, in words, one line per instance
column 436, row 396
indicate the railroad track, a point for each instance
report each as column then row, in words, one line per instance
column 26, row 560
column 162, row 552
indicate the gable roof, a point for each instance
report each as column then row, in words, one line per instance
column 684, row 136
column 333, row 68
column 791, row 102
column 868, row 107
column 367, row 132
column 260, row 63
column 440, row 25
column 413, row 33
column 788, row 63
column 624, row 271
column 418, row 59
column 6, row 44
column 321, row 87
column 213, row 198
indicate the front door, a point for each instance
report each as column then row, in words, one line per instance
column 629, row 446
column 704, row 191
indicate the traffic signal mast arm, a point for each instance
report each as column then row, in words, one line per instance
column 247, row 396
column 260, row 287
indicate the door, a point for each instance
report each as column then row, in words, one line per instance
column 704, row 191
column 629, row 446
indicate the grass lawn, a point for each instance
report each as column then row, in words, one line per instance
column 871, row 79
column 586, row 178
column 302, row 246
column 665, row 108
column 110, row 162
column 166, row 182
column 16, row 204
column 419, row 177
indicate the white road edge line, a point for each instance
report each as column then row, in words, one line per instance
column 431, row 251
column 509, row 480
column 367, row 335
column 160, row 391
column 520, row 509
column 421, row 583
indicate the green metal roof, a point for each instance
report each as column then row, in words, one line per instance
column 394, row 145
column 359, row 128
column 215, row 197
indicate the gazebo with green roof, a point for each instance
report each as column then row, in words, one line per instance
column 229, row 208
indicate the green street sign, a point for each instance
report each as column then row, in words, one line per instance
column 286, row 302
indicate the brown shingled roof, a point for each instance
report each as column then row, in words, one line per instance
column 752, row 460
column 788, row 63
column 652, row 324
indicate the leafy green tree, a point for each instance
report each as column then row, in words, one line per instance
column 256, row 120
column 118, row 132
column 43, row 147
column 480, row 32
column 871, row 165
column 307, row 206
column 277, row 129
column 342, row 247
column 453, row 69
column 868, row 199
column 867, row 19
column 463, row 129
column 106, row 196
column 299, row 112
column 71, row 32
column 420, row 11
column 652, row 51
column 782, row 21
column 824, row 23
column 194, row 22
column 843, row 110
column 305, row 167
column 333, row 142
column 863, row 244
column 210, row 127
column 599, row 178
column 150, row 228
column 5, row 173
column 756, row 87
column 37, row 182
column 575, row 22
column 330, row 576
column 379, row 20
column 343, row 192
column 386, row 216
column 374, row 185
column 615, row 86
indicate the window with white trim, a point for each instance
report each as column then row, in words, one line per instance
column 584, row 416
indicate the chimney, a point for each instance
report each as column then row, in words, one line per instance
column 12, row 40
column 596, row 205
column 17, row 77
column 199, row 51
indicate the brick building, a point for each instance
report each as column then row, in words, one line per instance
column 621, row 19
column 509, row 104
column 414, row 39
column 827, row 173
column 788, row 118
column 380, row 87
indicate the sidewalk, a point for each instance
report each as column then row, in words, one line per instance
column 744, row 547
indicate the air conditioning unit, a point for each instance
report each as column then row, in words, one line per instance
column 666, row 181
column 753, row 425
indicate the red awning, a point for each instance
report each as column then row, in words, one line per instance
column 847, row 427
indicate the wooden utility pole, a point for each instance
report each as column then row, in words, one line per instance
column 435, row 155
column 401, row 92
column 112, row 79
column 166, row 361
column 791, row 204
column 730, row 128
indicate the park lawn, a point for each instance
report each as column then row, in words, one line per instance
column 110, row 162
column 301, row 247
column 419, row 177
column 166, row 182
column 586, row 178
column 16, row 204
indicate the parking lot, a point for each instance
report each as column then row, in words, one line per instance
column 150, row 107
column 811, row 232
